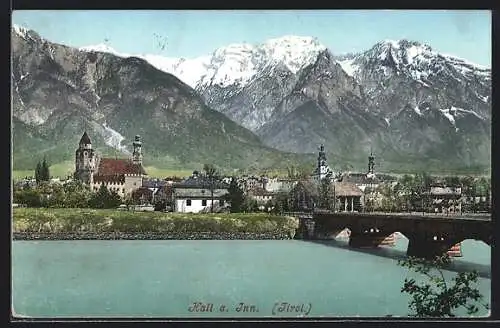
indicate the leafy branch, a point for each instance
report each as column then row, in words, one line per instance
column 436, row 298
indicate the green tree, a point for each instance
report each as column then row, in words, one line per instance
column 390, row 197
column 114, row 200
column 45, row 189
column 29, row 196
column 131, row 200
column 44, row 171
column 58, row 197
column 436, row 297
column 281, row 203
column 250, row 205
column 212, row 175
column 325, row 194
column 452, row 181
column 291, row 172
column 77, row 194
column 38, row 171
column 103, row 198
column 160, row 205
column 235, row 196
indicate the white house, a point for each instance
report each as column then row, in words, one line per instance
column 261, row 195
column 194, row 195
column 279, row 184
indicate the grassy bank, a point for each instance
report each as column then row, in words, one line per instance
column 65, row 169
column 42, row 220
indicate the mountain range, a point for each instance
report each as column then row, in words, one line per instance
column 261, row 105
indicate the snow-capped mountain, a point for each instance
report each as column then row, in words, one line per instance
column 235, row 63
column 465, row 84
column 401, row 98
column 60, row 91
column 224, row 76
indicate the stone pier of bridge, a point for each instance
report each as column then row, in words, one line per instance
column 428, row 236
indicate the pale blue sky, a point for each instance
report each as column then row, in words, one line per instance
column 463, row 33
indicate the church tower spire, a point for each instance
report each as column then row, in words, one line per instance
column 137, row 154
column 322, row 170
column 84, row 160
column 371, row 163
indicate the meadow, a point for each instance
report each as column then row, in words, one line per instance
column 55, row 220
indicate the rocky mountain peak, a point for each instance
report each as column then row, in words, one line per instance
column 26, row 34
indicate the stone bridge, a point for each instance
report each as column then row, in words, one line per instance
column 429, row 235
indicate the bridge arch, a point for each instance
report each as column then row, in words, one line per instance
column 466, row 240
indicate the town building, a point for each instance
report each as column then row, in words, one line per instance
column 366, row 182
column 152, row 191
column 322, row 170
column 247, row 183
column 261, row 195
column 344, row 196
column 119, row 175
column 445, row 199
column 279, row 184
column 194, row 194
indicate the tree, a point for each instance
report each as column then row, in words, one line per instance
column 452, row 181
column 298, row 172
column 44, row 171
column 77, row 194
column 57, row 196
column 103, row 198
column 235, row 196
column 160, row 205
column 325, row 192
column 438, row 298
column 250, row 205
column 281, row 203
column 129, row 201
column 38, row 171
column 212, row 174
column 30, row 197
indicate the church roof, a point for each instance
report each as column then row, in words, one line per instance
column 342, row 189
column 85, row 139
column 360, row 178
column 112, row 166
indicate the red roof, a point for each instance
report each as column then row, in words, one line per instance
column 112, row 166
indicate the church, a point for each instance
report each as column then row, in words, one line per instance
column 120, row 175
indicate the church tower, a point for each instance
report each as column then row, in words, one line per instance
column 322, row 170
column 371, row 165
column 84, row 160
column 137, row 154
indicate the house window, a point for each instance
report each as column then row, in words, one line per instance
column 188, row 202
column 221, row 202
column 123, row 190
column 204, row 202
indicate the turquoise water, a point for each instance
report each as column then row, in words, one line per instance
column 164, row 278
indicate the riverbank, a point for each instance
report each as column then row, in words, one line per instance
column 92, row 224
column 149, row 236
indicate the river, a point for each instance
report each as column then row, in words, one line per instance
column 257, row 278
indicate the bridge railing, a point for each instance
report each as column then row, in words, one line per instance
column 424, row 214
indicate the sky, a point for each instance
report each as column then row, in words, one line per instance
column 193, row 33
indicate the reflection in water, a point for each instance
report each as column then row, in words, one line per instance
column 475, row 257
